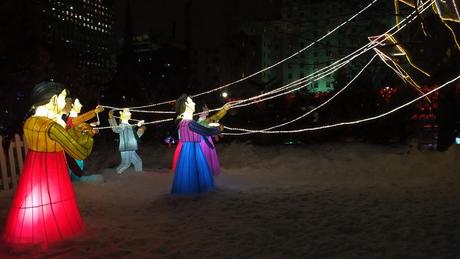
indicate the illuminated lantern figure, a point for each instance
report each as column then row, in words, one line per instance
column 192, row 172
column 206, row 143
column 44, row 209
column 74, row 120
column 128, row 140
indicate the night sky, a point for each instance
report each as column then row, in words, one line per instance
column 157, row 16
column 209, row 19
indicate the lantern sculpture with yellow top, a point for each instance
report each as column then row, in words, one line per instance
column 44, row 209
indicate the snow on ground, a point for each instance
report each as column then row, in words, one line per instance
column 340, row 200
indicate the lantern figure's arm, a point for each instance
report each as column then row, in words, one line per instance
column 75, row 143
column 115, row 127
column 84, row 117
column 216, row 117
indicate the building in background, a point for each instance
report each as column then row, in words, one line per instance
column 247, row 43
column 304, row 22
column 70, row 41
column 84, row 28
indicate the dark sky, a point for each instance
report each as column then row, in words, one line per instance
column 211, row 19
column 155, row 15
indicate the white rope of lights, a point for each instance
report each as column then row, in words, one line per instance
column 365, row 50
column 316, row 74
column 248, row 131
column 356, row 121
column 356, row 54
column 269, row 67
column 286, row 89
column 332, row 67
column 140, row 111
column 328, row 71
column 365, row 47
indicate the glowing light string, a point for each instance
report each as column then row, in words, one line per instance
column 376, row 42
column 140, row 111
column 303, row 82
column 356, row 121
column 398, row 70
column 363, row 49
column 271, row 66
column 445, row 12
column 329, row 69
column 345, row 59
column 448, row 10
column 390, row 62
column 336, row 63
column 248, row 131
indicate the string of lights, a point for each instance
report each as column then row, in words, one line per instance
column 140, row 111
column 349, row 122
column 248, row 131
column 269, row 67
column 332, row 67
column 336, row 65
column 398, row 26
column 361, row 50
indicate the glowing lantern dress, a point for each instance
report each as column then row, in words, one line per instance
column 44, row 208
column 207, row 145
column 73, row 122
column 192, row 172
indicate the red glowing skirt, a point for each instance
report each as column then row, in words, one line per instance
column 176, row 156
column 44, row 209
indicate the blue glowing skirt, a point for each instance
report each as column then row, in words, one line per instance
column 192, row 173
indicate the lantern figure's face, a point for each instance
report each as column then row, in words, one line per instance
column 125, row 115
column 60, row 101
column 76, row 106
column 189, row 105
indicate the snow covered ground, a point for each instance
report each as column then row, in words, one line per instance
column 341, row 200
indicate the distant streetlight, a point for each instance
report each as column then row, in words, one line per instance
column 225, row 94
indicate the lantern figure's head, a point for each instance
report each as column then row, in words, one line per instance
column 184, row 106
column 125, row 115
column 76, row 106
column 41, row 93
column 189, row 105
column 52, row 95
column 60, row 100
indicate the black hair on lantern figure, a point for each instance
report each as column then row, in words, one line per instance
column 180, row 106
column 42, row 92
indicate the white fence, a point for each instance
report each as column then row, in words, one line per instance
column 11, row 162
